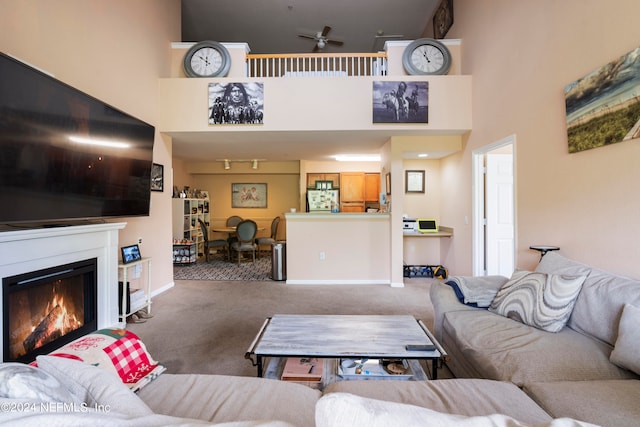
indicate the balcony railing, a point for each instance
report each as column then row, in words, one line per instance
column 317, row 65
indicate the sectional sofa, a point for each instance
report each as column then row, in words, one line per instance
column 583, row 366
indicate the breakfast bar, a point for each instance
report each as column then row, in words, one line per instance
column 338, row 248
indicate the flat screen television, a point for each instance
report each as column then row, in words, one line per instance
column 65, row 155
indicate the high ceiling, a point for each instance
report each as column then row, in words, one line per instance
column 274, row 26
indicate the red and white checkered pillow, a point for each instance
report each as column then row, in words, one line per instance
column 118, row 351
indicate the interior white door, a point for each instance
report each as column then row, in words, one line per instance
column 499, row 205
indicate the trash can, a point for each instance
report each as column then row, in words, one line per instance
column 279, row 261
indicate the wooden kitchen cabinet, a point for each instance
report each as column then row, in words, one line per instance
column 352, row 191
column 372, row 187
column 313, row 177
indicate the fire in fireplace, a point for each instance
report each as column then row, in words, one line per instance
column 46, row 309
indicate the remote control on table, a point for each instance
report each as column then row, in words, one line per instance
column 420, row 347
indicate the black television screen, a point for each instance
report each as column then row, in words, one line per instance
column 65, row 155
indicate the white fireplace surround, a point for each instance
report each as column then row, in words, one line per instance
column 27, row 250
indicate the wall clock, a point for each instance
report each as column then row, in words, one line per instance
column 207, row 59
column 426, row 57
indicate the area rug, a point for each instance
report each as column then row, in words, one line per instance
column 218, row 269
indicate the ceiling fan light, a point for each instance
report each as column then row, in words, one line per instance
column 321, row 44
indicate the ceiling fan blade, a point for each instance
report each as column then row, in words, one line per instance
column 304, row 36
column 325, row 31
column 315, row 49
column 336, row 42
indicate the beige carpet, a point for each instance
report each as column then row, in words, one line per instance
column 207, row 326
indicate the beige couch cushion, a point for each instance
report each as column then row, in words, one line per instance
column 614, row 403
column 468, row 397
column 506, row 350
column 599, row 306
column 221, row 398
column 344, row 409
column 627, row 348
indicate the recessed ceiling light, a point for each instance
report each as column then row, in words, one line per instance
column 357, row 157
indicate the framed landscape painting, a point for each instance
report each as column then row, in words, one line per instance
column 248, row 195
column 603, row 107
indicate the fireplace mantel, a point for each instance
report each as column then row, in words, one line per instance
column 26, row 250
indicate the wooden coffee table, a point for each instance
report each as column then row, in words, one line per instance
column 343, row 336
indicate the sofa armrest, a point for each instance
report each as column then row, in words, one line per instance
column 443, row 299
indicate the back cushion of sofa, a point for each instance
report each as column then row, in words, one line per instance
column 599, row 306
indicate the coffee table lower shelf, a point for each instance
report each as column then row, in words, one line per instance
column 276, row 366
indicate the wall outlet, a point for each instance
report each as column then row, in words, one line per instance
column 322, row 256
column 140, row 241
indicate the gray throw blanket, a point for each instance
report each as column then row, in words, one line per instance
column 480, row 290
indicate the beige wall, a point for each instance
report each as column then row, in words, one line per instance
column 521, row 54
column 114, row 50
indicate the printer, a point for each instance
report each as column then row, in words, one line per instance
column 409, row 226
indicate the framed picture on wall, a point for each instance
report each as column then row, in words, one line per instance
column 157, row 177
column 248, row 195
column 443, row 19
column 414, row 182
column 236, row 103
column 400, row 102
column 388, row 183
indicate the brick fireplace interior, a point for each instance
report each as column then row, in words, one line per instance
column 45, row 309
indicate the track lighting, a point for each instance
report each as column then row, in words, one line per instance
column 254, row 164
column 227, row 165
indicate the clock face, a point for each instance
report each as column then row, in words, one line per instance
column 206, row 61
column 427, row 58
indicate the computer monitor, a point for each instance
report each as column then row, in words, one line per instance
column 427, row 225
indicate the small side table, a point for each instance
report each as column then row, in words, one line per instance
column 543, row 249
column 123, row 303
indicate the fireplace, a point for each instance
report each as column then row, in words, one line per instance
column 45, row 309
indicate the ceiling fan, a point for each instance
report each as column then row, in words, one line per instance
column 321, row 39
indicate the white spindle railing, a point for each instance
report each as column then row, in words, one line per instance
column 317, row 65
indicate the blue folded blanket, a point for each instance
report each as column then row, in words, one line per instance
column 476, row 291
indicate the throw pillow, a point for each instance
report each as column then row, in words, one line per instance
column 94, row 386
column 544, row 301
column 627, row 346
column 20, row 381
column 118, row 351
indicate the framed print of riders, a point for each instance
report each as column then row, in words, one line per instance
column 400, row 102
column 236, row 103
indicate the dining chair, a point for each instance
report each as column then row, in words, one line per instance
column 268, row 241
column 233, row 221
column 212, row 244
column 246, row 233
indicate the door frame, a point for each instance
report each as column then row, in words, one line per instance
column 478, row 243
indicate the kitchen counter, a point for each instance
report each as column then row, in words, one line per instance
column 338, row 248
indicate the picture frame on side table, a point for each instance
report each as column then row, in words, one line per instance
column 414, row 181
column 157, row 177
column 130, row 254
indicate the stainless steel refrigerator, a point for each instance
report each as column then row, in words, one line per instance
column 323, row 200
